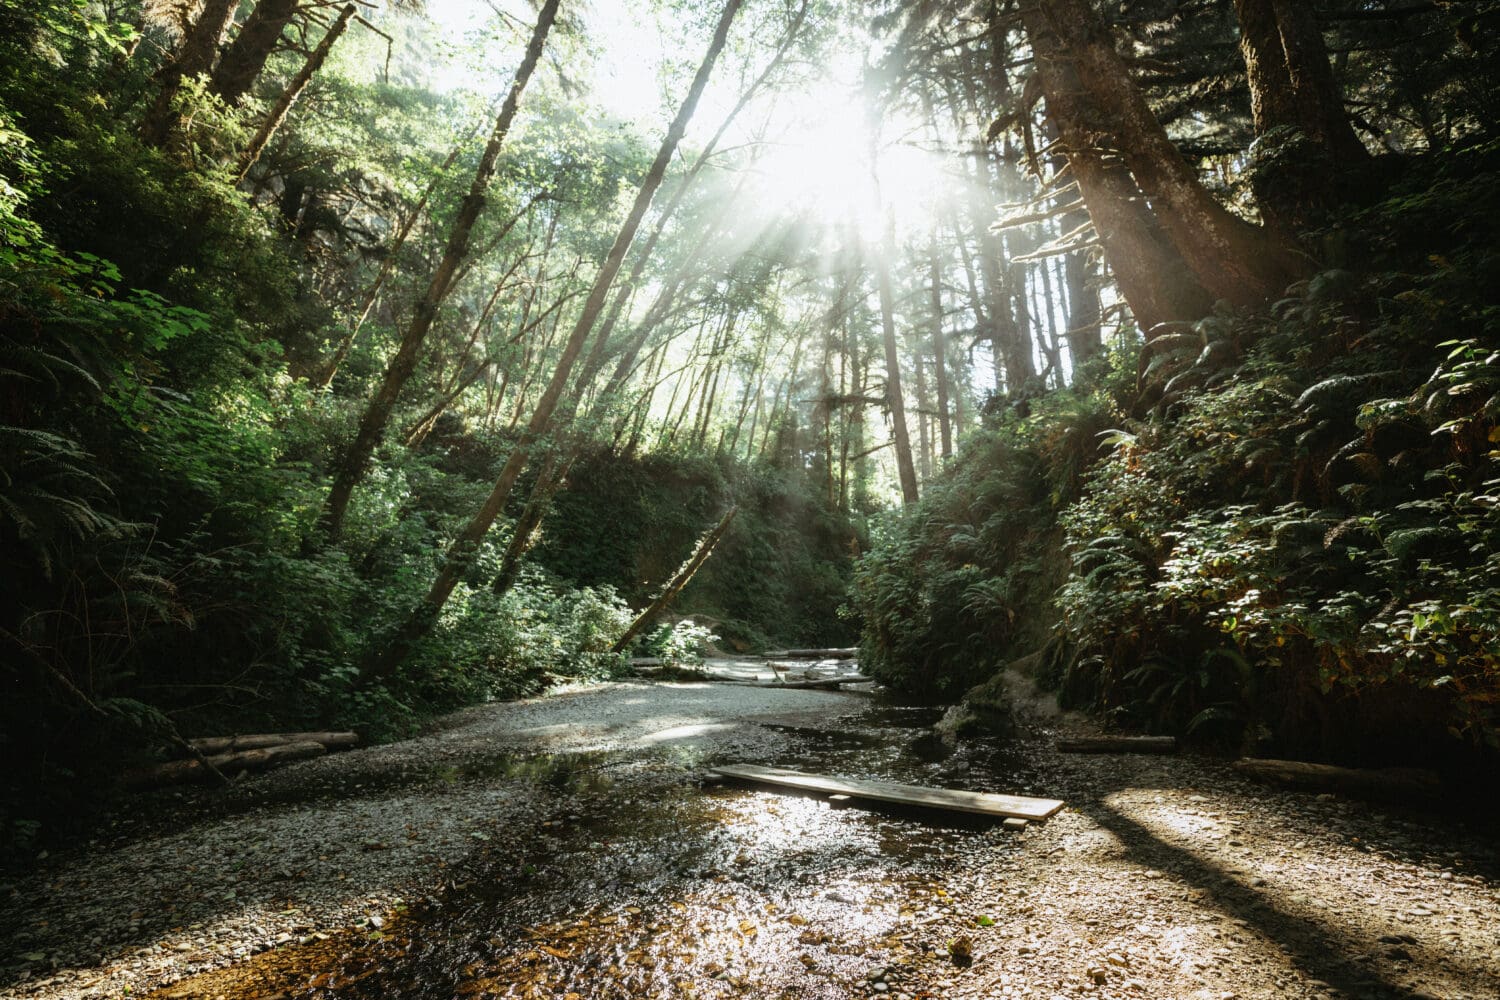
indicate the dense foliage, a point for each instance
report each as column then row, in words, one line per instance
column 165, row 443
column 357, row 364
column 1296, row 543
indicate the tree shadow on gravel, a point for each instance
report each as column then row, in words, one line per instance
column 1321, row 951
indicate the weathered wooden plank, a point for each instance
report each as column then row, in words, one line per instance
column 814, row 683
column 1119, row 744
column 983, row 803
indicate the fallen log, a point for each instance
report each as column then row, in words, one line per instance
column 847, row 653
column 178, row 772
column 261, row 741
column 1119, row 744
column 1384, row 783
column 819, row 683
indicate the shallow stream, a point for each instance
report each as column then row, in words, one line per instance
column 635, row 879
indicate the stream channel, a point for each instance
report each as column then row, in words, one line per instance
column 632, row 876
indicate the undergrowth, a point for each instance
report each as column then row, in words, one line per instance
column 1287, row 532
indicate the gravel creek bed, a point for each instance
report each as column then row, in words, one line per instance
column 563, row 847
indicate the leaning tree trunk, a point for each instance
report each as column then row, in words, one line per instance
column 384, row 660
column 242, row 62
column 283, row 106
column 1151, row 274
column 194, row 56
column 1304, row 142
column 1231, row 258
column 1084, row 312
column 682, row 579
column 378, row 413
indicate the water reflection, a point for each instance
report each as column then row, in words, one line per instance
column 638, row 883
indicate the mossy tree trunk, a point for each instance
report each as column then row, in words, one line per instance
column 1305, row 142
column 1232, row 259
column 194, row 57
column 246, row 56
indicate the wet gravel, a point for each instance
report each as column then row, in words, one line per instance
column 563, row 848
column 210, row 878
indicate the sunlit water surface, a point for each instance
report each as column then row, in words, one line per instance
column 640, row 883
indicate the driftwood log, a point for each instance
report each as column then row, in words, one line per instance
column 1386, row 783
column 823, row 683
column 261, row 741
column 1119, row 744
column 182, row 771
column 848, row 653
column 809, row 684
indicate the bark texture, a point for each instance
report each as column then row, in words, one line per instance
column 246, row 56
column 283, row 106
column 1231, row 258
column 1151, row 274
column 674, row 587
column 1304, row 141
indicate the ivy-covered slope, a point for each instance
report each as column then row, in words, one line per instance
column 1289, row 531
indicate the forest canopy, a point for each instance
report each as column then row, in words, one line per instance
column 362, row 361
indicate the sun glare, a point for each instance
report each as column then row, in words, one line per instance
column 819, row 170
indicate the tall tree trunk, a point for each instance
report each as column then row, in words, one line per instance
column 283, row 106
column 643, row 256
column 1083, row 315
column 550, row 478
column 423, row 425
column 372, row 425
column 754, row 379
column 246, row 56
column 894, row 400
column 1231, row 258
column 939, row 350
column 779, row 408
column 384, row 659
column 196, row 54
column 550, row 481
column 712, row 376
column 1009, row 336
column 1151, row 274
column 1304, row 141
column 924, row 405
